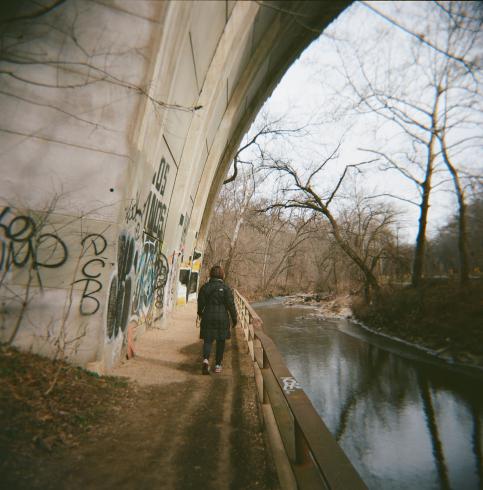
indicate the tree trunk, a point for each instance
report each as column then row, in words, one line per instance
column 236, row 232
column 462, row 233
column 334, row 272
column 265, row 260
column 370, row 278
column 233, row 242
column 418, row 264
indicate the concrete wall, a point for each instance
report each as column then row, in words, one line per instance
column 119, row 122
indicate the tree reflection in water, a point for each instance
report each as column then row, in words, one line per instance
column 433, row 431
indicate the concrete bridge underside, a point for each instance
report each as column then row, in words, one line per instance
column 120, row 119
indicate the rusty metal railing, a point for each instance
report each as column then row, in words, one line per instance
column 305, row 453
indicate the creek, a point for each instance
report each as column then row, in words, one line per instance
column 405, row 419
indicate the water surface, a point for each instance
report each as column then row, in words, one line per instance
column 405, row 420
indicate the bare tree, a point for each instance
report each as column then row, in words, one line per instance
column 256, row 250
column 243, row 190
column 239, row 190
column 432, row 97
column 282, row 237
column 445, row 245
column 298, row 192
column 268, row 130
column 368, row 225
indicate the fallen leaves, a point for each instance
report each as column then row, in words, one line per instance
column 31, row 421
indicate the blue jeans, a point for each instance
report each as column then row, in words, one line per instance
column 220, row 349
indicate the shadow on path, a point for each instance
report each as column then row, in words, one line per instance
column 181, row 431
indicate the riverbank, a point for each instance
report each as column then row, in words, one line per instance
column 439, row 317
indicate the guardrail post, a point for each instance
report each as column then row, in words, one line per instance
column 250, row 340
column 246, row 320
column 302, row 453
column 264, row 366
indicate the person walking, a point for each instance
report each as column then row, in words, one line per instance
column 216, row 306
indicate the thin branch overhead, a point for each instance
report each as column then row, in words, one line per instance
column 421, row 38
column 42, row 10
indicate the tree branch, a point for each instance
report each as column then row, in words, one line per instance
column 469, row 67
column 34, row 15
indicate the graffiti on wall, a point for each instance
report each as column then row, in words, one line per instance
column 152, row 274
column 139, row 285
column 53, row 278
column 154, row 208
column 91, row 271
column 150, row 216
column 161, row 283
column 24, row 244
column 119, row 301
column 134, row 216
column 185, row 223
column 138, row 288
column 188, row 278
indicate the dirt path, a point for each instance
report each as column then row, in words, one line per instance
column 182, row 431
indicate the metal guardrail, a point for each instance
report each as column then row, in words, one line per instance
column 306, row 454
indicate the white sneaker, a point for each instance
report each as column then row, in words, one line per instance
column 218, row 368
column 205, row 367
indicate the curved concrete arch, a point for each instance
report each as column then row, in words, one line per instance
column 291, row 26
column 120, row 119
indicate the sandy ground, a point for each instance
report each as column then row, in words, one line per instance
column 169, row 355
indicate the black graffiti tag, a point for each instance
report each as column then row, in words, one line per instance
column 93, row 240
column 23, row 244
column 134, row 214
column 160, row 177
column 89, row 304
column 151, row 215
column 154, row 216
column 119, row 302
column 154, row 210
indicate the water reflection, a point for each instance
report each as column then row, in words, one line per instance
column 404, row 422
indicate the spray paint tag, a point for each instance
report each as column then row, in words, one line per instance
column 290, row 384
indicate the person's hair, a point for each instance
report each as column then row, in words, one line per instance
column 217, row 272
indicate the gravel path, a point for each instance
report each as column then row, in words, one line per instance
column 183, row 430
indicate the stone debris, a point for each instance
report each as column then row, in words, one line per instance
column 328, row 305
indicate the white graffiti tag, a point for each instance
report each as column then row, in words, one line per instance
column 290, row 385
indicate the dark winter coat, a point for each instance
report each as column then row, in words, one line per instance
column 215, row 307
